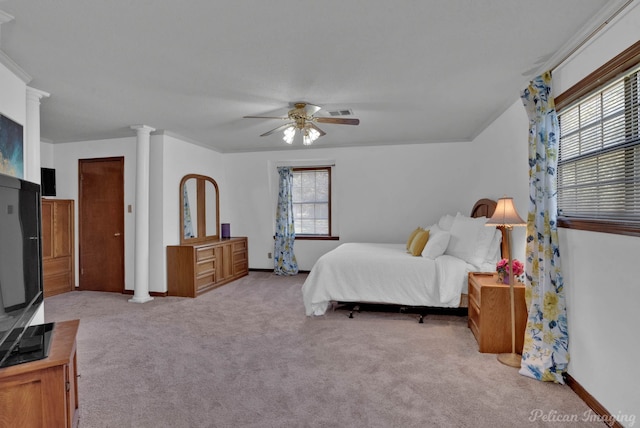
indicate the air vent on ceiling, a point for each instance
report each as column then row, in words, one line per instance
column 345, row 112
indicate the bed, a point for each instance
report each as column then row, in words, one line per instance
column 373, row 273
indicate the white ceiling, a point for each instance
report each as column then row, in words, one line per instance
column 412, row 71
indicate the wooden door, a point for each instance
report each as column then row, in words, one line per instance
column 101, row 221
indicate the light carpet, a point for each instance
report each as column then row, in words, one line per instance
column 245, row 355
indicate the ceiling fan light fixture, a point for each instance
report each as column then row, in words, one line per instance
column 289, row 134
column 310, row 135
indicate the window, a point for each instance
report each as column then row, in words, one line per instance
column 599, row 157
column 312, row 201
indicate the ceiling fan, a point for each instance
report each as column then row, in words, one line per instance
column 301, row 117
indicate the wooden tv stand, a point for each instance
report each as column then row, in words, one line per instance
column 43, row 393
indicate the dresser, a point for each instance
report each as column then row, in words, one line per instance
column 490, row 313
column 58, row 239
column 194, row 269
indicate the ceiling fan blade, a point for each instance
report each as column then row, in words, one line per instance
column 279, row 128
column 265, row 117
column 337, row 120
column 312, row 109
column 312, row 125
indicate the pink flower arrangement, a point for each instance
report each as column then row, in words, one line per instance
column 503, row 267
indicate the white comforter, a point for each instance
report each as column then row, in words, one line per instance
column 383, row 273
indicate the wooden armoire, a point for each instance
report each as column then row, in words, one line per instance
column 58, row 246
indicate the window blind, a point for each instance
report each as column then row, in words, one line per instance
column 599, row 156
column 312, row 201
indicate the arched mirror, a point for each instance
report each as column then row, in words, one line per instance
column 200, row 211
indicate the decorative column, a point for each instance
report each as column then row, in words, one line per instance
column 31, row 148
column 141, row 281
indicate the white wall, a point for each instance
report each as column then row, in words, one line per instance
column 601, row 270
column 382, row 193
column 46, row 155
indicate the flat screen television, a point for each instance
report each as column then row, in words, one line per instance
column 21, row 287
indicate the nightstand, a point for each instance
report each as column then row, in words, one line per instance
column 490, row 313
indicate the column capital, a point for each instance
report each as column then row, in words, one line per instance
column 142, row 129
column 36, row 94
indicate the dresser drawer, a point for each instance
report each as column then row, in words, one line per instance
column 239, row 256
column 474, row 292
column 205, row 253
column 474, row 318
column 239, row 246
column 205, row 267
column 205, row 280
column 240, row 267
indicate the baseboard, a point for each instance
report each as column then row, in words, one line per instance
column 271, row 270
column 151, row 293
column 590, row 401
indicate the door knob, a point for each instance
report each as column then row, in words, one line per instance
column 116, row 234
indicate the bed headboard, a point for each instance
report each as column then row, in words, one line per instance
column 485, row 208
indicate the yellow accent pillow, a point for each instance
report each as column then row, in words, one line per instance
column 418, row 243
column 413, row 235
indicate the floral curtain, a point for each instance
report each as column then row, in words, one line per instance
column 545, row 355
column 186, row 211
column 284, row 261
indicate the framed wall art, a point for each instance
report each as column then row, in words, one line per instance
column 11, row 148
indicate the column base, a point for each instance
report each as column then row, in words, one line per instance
column 145, row 299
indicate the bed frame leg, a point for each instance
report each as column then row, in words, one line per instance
column 421, row 319
column 355, row 308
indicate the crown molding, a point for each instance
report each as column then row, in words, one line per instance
column 5, row 17
column 612, row 10
column 14, row 68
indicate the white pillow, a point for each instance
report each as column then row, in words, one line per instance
column 495, row 249
column 466, row 235
column 446, row 221
column 437, row 243
column 484, row 244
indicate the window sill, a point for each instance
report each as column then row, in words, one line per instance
column 598, row 225
column 316, row 238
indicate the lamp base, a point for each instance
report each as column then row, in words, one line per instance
column 511, row 359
